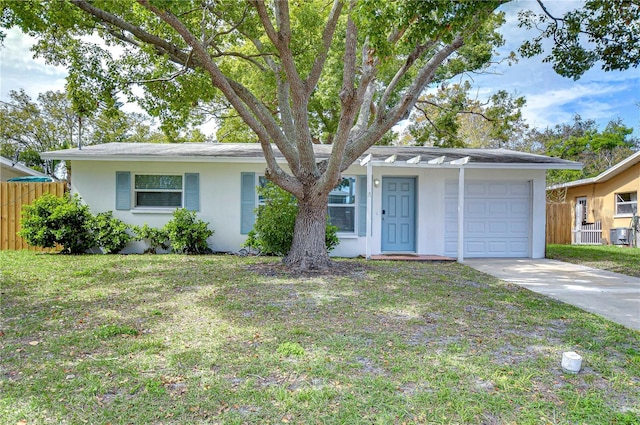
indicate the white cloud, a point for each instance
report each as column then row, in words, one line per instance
column 20, row 70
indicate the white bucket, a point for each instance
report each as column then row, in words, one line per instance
column 571, row 361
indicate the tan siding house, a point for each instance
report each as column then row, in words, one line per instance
column 610, row 198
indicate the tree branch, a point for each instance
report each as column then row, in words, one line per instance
column 411, row 60
column 161, row 45
column 386, row 120
column 225, row 85
column 327, row 37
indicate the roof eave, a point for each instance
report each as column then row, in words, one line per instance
column 482, row 165
column 604, row 176
column 154, row 158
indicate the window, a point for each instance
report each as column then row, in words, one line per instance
column 342, row 205
column 158, row 191
column 626, row 203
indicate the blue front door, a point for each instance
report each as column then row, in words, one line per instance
column 398, row 214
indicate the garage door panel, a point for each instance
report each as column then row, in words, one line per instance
column 500, row 207
column 475, row 227
column 476, row 207
column 497, row 189
column 497, row 219
column 519, row 228
column 498, row 228
column 475, row 190
column 520, row 189
column 519, row 207
column 475, row 247
column 497, row 247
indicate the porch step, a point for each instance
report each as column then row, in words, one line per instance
column 410, row 257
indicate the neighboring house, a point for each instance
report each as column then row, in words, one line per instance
column 12, row 169
column 393, row 200
column 606, row 202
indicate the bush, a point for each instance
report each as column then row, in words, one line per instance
column 110, row 233
column 156, row 238
column 52, row 220
column 187, row 234
column 272, row 233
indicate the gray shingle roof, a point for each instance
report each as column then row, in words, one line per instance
column 252, row 152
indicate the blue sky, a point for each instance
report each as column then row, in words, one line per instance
column 551, row 99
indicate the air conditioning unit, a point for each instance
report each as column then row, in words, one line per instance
column 619, row 236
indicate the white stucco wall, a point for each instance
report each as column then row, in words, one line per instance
column 431, row 208
column 220, row 185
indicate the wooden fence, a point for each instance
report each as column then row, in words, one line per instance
column 559, row 223
column 12, row 197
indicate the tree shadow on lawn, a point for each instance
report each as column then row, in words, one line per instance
column 405, row 336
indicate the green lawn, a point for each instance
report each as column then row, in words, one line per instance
column 144, row 339
column 617, row 259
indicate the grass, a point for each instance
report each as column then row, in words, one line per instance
column 108, row 339
column 617, row 259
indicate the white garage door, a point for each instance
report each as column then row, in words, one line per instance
column 496, row 219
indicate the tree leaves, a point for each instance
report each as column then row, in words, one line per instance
column 602, row 30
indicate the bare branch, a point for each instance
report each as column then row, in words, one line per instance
column 266, row 21
column 411, row 60
column 350, row 105
column 427, row 102
column 385, row 120
column 327, row 37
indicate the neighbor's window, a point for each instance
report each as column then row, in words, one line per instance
column 342, row 205
column 161, row 191
column 626, row 203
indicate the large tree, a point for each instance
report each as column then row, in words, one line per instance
column 451, row 117
column 345, row 72
column 50, row 122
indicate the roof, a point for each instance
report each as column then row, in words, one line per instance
column 252, row 152
column 19, row 168
column 613, row 171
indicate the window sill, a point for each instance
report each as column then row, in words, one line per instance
column 346, row 235
column 152, row 210
column 629, row 215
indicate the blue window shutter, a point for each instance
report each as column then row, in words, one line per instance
column 123, row 190
column 247, row 202
column 362, row 205
column 192, row 191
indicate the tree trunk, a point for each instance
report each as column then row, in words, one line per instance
column 308, row 249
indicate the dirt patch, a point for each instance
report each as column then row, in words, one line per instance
column 353, row 269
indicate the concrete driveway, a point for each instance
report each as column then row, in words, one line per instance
column 611, row 295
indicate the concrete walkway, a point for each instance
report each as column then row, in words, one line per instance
column 611, row 295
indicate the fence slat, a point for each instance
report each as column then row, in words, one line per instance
column 558, row 223
column 588, row 234
column 13, row 196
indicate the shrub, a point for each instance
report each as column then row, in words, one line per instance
column 187, row 234
column 110, row 233
column 156, row 238
column 272, row 233
column 52, row 220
